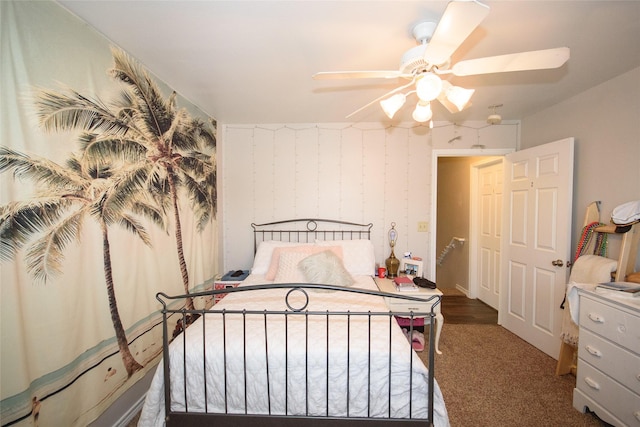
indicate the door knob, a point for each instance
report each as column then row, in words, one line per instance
column 557, row 263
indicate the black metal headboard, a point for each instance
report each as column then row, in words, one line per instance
column 307, row 230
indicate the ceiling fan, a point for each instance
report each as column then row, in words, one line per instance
column 423, row 65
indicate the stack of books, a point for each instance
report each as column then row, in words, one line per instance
column 626, row 287
column 404, row 284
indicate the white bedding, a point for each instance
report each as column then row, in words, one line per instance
column 363, row 401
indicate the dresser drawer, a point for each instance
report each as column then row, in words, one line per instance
column 620, row 364
column 407, row 306
column 619, row 326
column 618, row 400
column 399, row 305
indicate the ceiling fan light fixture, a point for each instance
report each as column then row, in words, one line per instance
column 424, row 64
column 423, row 112
column 428, row 87
column 494, row 118
column 391, row 105
column 459, row 96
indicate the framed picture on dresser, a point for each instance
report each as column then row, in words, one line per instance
column 411, row 267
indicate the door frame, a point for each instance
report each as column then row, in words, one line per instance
column 436, row 154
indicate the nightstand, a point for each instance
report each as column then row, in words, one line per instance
column 228, row 281
column 398, row 305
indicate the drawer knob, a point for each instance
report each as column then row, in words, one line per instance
column 592, row 383
column 593, row 351
column 596, row 317
column 622, row 329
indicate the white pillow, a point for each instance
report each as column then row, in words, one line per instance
column 288, row 271
column 262, row 260
column 325, row 268
column 358, row 255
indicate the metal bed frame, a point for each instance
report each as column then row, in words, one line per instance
column 295, row 312
column 307, row 230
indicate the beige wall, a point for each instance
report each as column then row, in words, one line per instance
column 605, row 122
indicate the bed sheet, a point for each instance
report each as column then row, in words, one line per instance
column 301, row 376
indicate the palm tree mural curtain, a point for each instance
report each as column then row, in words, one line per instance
column 108, row 195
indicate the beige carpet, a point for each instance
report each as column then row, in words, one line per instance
column 491, row 377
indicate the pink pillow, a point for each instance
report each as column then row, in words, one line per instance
column 307, row 249
column 288, row 271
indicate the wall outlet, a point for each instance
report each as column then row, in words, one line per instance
column 423, row 226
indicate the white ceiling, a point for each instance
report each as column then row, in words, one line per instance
column 252, row 61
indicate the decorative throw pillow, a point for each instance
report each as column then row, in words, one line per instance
column 305, row 249
column 262, row 259
column 288, row 270
column 325, row 268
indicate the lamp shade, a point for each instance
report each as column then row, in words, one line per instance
column 459, row 96
column 428, row 87
column 423, row 112
column 391, row 105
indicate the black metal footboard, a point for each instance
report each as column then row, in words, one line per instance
column 295, row 354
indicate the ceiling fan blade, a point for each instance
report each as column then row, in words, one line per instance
column 533, row 60
column 398, row 89
column 335, row 75
column 459, row 20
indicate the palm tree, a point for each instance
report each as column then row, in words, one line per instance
column 167, row 145
column 67, row 196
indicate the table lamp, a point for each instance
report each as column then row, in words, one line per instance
column 392, row 262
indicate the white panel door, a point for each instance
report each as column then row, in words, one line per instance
column 536, row 242
column 489, row 211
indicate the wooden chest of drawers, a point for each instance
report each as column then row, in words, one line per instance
column 608, row 377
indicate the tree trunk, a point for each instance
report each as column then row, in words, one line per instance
column 181, row 260
column 130, row 364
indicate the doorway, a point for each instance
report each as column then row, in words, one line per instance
column 453, row 243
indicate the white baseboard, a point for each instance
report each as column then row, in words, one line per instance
column 126, row 418
column 127, row 406
column 463, row 290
